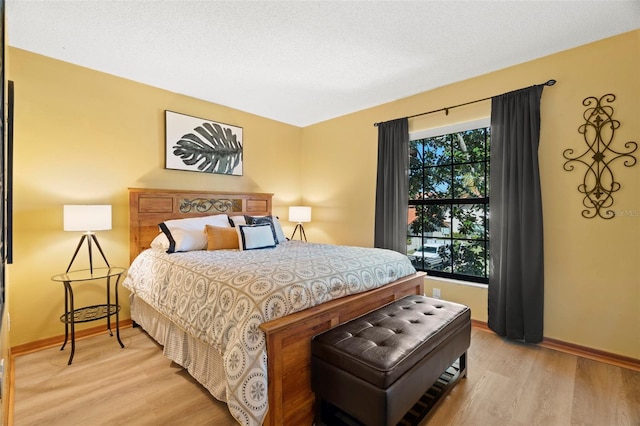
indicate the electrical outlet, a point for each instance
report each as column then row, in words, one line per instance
column 436, row 293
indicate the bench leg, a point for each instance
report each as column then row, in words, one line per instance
column 317, row 421
column 463, row 365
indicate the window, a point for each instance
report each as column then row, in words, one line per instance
column 448, row 223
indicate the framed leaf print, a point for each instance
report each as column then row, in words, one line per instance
column 201, row 145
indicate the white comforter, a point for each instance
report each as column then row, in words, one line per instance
column 223, row 296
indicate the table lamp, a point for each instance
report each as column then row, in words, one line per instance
column 88, row 219
column 300, row 215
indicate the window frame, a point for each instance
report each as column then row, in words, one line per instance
column 452, row 202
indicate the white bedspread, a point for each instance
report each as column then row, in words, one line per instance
column 223, row 296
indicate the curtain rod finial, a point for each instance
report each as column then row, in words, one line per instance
column 550, row 82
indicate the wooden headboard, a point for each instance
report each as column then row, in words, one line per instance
column 149, row 207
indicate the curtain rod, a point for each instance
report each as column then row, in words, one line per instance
column 446, row 110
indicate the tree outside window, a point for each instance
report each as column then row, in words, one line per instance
column 448, row 223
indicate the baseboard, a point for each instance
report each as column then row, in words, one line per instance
column 577, row 350
column 28, row 348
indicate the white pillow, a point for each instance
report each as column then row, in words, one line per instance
column 238, row 220
column 242, row 220
column 189, row 234
column 252, row 237
column 160, row 242
column 279, row 231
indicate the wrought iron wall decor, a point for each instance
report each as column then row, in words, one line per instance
column 203, row 205
column 599, row 184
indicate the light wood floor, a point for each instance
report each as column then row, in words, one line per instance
column 507, row 384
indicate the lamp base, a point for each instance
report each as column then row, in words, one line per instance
column 89, row 236
column 302, row 233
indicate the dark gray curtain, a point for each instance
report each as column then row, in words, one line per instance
column 392, row 188
column 516, row 278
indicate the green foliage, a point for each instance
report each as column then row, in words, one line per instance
column 444, row 169
column 470, row 258
column 213, row 149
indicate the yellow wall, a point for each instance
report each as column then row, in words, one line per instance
column 592, row 266
column 84, row 137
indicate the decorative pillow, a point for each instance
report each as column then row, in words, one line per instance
column 263, row 220
column 252, row 237
column 279, row 231
column 221, row 237
column 237, row 220
column 273, row 220
column 188, row 234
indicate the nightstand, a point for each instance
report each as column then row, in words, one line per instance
column 73, row 315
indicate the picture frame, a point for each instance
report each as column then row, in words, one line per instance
column 202, row 145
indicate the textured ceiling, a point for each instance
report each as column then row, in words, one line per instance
column 302, row 62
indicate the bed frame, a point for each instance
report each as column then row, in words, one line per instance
column 291, row 401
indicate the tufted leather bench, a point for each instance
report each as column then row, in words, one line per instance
column 375, row 367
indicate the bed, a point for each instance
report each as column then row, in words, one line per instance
column 282, row 369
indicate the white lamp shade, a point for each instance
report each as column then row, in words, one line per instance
column 299, row 214
column 87, row 217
